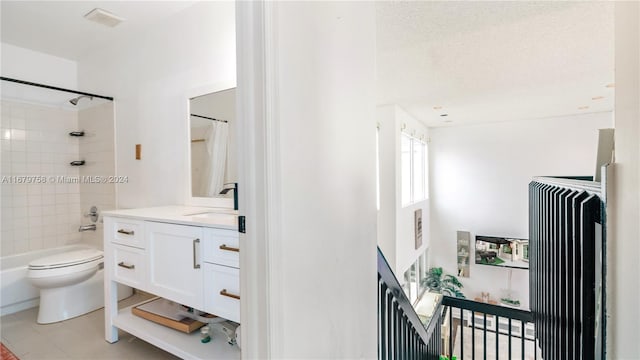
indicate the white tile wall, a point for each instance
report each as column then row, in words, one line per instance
column 97, row 149
column 35, row 142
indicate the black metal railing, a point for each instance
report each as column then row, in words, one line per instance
column 567, row 231
column 477, row 330
column 401, row 333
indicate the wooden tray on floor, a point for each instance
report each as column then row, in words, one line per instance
column 165, row 312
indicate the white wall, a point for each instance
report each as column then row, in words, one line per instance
column 24, row 64
column 623, row 212
column 388, row 137
column 151, row 76
column 396, row 230
column 323, row 283
column 479, row 178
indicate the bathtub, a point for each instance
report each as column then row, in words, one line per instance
column 16, row 293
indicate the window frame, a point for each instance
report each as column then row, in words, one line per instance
column 413, row 141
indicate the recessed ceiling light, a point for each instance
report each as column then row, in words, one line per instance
column 597, row 98
column 444, row 114
column 104, row 17
column 437, row 107
column 612, row 85
column 583, row 107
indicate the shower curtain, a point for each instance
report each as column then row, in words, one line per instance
column 216, row 142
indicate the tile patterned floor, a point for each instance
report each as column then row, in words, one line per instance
column 78, row 338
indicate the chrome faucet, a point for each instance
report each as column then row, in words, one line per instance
column 91, row 227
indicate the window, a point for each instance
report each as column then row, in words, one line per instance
column 414, row 278
column 422, row 273
column 410, row 285
column 406, row 169
column 418, row 170
column 506, row 249
column 414, row 169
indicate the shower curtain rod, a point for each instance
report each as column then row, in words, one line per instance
column 209, row 118
column 55, row 88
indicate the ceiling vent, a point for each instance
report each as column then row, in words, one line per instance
column 103, row 17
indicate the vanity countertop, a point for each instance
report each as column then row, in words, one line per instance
column 220, row 218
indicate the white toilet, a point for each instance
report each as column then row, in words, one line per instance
column 71, row 284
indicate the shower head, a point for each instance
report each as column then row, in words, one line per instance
column 75, row 100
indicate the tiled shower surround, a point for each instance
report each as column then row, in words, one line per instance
column 97, row 149
column 36, row 147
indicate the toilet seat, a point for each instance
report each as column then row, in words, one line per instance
column 65, row 263
column 66, row 259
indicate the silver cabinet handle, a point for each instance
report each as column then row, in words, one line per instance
column 130, row 267
column 195, row 260
column 126, row 232
column 228, row 248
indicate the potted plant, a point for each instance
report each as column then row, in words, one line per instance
column 445, row 284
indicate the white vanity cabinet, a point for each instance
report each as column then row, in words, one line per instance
column 185, row 259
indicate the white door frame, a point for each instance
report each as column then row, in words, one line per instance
column 259, row 183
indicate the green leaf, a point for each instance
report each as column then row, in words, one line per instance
column 452, row 280
column 448, row 284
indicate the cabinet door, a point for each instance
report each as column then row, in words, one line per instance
column 174, row 262
column 222, row 291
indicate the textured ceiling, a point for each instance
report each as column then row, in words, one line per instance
column 59, row 28
column 494, row 61
column 479, row 61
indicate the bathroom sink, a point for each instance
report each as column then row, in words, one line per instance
column 208, row 215
column 212, row 213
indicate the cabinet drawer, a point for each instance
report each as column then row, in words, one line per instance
column 129, row 266
column 222, row 291
column 128, row 232
column 221, row 247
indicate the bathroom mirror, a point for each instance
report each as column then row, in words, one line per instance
column 212, row 134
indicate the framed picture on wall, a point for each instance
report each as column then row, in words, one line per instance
column 502, row 251
column 417, row 221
